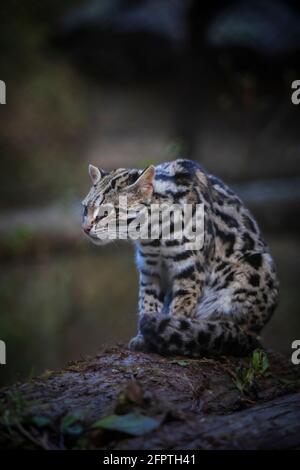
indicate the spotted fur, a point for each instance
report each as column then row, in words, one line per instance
column 211, row 300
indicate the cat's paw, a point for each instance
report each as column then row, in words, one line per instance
column 137, row 344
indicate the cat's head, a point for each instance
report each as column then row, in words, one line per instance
column 102, row 212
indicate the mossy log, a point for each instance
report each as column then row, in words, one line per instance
column 163, row 402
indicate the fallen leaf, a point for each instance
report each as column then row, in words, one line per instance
column 131, row 423
column 41, row 421
column 180, row 362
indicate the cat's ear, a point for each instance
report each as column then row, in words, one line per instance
column 144, row 183
column 95, row 174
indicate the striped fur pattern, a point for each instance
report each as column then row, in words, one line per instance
column 208, row 301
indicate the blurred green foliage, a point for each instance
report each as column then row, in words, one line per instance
column 15, row 242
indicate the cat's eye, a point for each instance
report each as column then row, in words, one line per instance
column 84, row 211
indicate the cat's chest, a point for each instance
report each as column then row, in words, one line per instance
column 173, row 260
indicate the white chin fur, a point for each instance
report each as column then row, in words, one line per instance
column 98, row 241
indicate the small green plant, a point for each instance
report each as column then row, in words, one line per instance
column 14, row 413
column 246, row 376
column 260, row 362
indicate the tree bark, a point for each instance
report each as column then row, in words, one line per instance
column 205, row 403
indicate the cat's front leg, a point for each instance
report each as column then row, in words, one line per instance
column 150, row 302
column 186, row 291
column 138, row 344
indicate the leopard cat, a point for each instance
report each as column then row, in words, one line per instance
column 213, row 300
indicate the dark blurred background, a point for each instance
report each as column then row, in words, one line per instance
column 128, row 83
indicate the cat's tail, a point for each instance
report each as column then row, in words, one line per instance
column 196, row 337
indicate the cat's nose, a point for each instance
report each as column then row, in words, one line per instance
column 87, row 227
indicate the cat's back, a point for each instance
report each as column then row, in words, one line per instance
column 230, row 216
column 183, row 173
